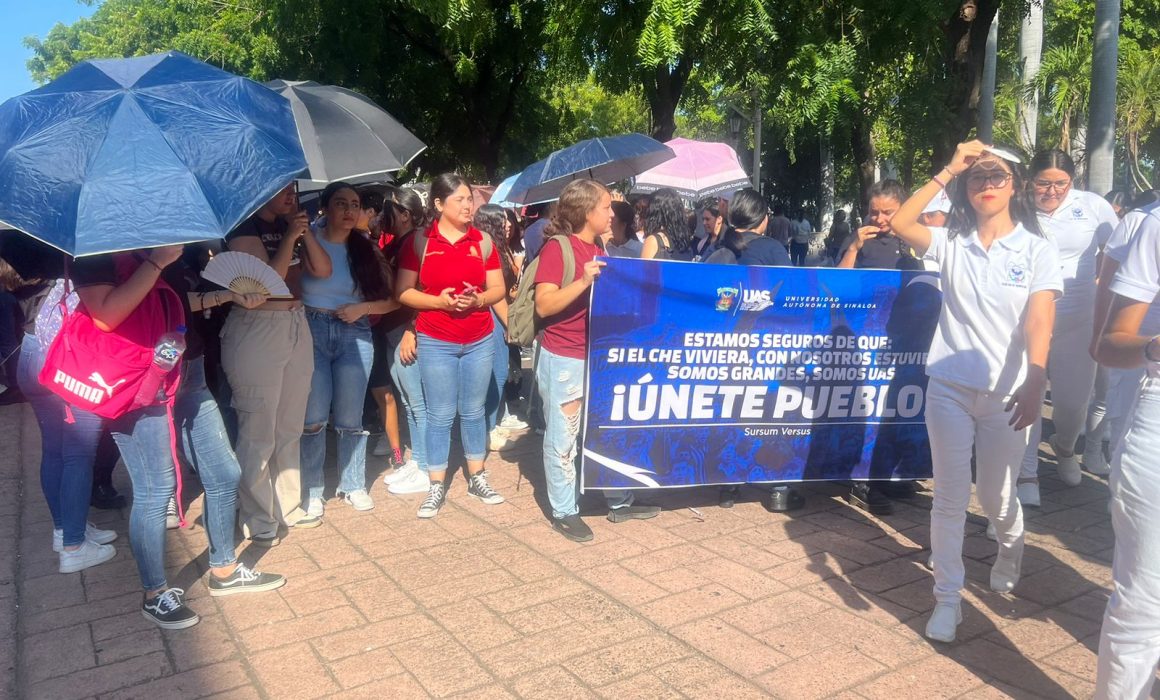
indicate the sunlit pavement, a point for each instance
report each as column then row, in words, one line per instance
column 489, row 602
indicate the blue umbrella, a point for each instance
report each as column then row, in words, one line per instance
column 132, row 153
column 607, row 159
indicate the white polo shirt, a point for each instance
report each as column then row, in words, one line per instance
column 1119, row 245
column 1079, row 227
column 979, row 340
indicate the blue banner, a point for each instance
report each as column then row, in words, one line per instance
column 714, row 374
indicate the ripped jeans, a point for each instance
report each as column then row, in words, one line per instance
column 343, row 353
column 561, row 380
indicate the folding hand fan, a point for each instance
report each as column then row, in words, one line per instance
column 245, row 274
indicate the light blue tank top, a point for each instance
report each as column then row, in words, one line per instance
column 336, row 290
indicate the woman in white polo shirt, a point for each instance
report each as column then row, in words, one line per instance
column 1130, row 636
column 1078, row 224
column 988, row 359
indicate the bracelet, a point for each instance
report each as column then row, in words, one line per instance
column 1148, row 355
column 159, row 268
column 939, row 182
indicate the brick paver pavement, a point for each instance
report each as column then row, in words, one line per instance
column 489, row 602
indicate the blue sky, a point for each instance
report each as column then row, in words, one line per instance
column 21, row 18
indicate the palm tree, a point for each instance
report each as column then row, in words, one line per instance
column 1030, row 50
column 1101, row 134
column 1139, row 113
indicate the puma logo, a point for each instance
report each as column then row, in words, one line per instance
column 97, row 379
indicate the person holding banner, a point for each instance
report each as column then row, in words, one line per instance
column 583, row 214
column 988, row 360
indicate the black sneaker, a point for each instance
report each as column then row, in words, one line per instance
column 244, row 580
column 169, row 611
column 436, row 495
column 573, row 528
column 637, row 512
column 106, row 498
column 869, row 499
column 782, row 499
column 478, row 487
column 896, row 490
column 728, row 496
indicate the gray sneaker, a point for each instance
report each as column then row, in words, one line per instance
column 244, row 580
column 436, row 495
column 478, row 487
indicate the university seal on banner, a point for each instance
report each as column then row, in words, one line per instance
column 726, row 297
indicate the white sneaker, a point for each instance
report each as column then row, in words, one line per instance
column 497, row 439
column 92, row 533
column 943, row 622
column 88, row 554
column 401, row 473
column 1094, row 461
column 1067, row 465
column 360, row 500
column 414, row 481
column 172, row 522
column 1004, row 574
column 991, row 534
column 511, row 422
column 315, row 509
column 1028, row 494
column 382, row 446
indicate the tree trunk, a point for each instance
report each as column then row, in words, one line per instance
column 964, row 51
column 826, row 179
column 1101, row 133
column 663, row 88
column 986, row 130
column 864, row 158
column 1030, row 52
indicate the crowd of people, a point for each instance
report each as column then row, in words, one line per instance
column 400, row 313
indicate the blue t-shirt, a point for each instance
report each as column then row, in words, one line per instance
column 336, row 290
column 534, row 238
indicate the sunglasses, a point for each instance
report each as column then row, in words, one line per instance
column 994, row 179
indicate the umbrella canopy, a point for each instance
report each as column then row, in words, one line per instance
column 345, row 135
column 700, row 169
column 607, row 159
column 131, row 153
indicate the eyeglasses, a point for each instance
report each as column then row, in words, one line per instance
column 1048, row 185
column 980, row 180
column 347, row 206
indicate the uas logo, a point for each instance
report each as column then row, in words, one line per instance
column 1077, row 213
column 1016, row 273
column 755, row 299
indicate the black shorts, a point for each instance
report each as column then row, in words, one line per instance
column 384, row 356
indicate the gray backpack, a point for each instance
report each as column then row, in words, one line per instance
column 522, row 325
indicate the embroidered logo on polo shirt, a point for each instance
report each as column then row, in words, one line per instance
column 473, row 251
column 1077, row 212
column 1016, row 273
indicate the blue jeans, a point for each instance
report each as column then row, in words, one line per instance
column 409, row 381
column 343, row 353
column 206, row 447
column 68, row 450
column 144, row 439
column 455, row 380
column 560, row 381
column 499, row 375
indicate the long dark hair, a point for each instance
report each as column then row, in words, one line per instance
column 1052, row 159
column 442, row 187
column 747, row 210
column 961, row 219
column 489, row 219
column 666, row 214
column 368, row 267
column 409, row 199
column 516, row 237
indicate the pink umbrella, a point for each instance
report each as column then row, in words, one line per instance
column 701, row 169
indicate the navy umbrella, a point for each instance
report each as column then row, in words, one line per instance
column 120, row 154
column 607, row 159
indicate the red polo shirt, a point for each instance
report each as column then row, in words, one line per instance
column 453, row 265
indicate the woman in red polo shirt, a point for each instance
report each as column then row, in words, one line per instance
column 446, row 276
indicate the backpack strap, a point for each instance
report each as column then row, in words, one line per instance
column 568, row 257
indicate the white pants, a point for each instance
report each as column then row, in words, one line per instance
column 1130, row 637
column 959, row 419
column 1072, row 373
column 1123, row 388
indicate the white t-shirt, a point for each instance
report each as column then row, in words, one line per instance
column 1139, row 275
column 1117, row 249
column 979, row 341
column 1079, row 227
